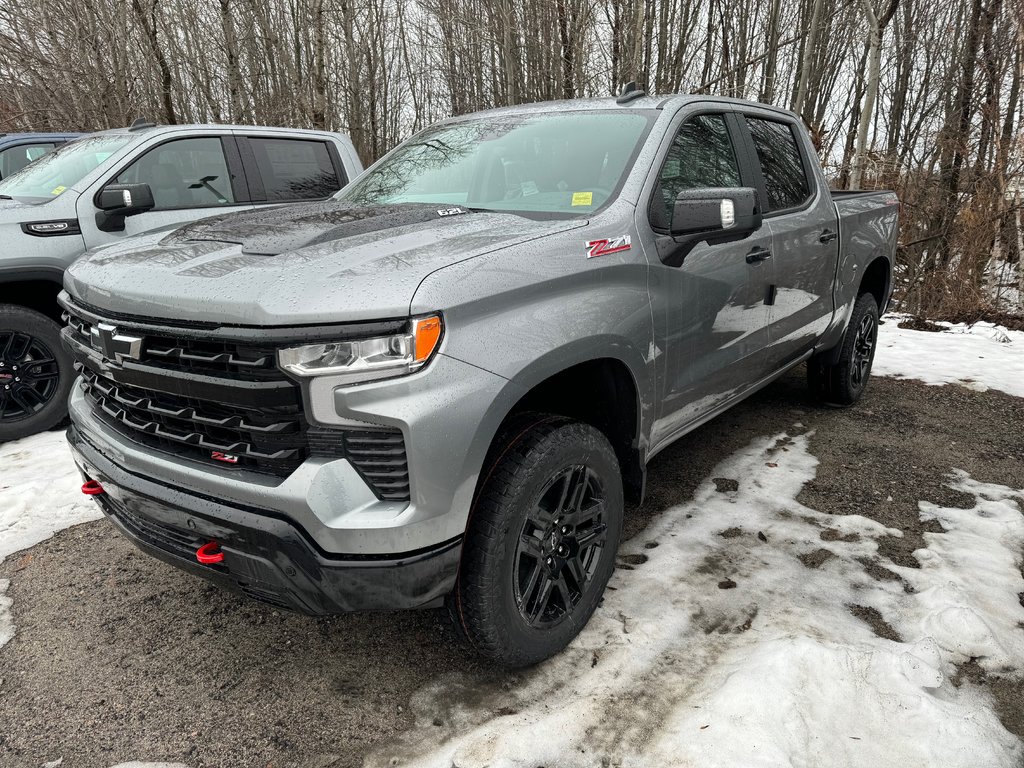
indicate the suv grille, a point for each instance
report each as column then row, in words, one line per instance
column 195, row 393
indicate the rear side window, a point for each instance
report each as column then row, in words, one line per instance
column 294, row 169
column 701, row 155
column 785, row 178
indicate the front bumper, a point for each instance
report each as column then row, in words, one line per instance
column 266, row 556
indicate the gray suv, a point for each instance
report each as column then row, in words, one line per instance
column 441, row 386
column 108, row 187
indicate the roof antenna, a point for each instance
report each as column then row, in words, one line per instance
column 140, row 123
column 630, row 92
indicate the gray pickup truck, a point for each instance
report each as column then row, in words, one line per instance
column 441, row 386
column 107, row 187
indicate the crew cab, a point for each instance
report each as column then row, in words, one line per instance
column 107, row 187
column 441, row 386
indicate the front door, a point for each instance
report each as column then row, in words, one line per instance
column 190, row 179
column 711, row 320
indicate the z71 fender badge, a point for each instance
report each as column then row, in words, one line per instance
column 606, row 245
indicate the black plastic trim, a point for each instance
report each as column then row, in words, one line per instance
column 73, row 228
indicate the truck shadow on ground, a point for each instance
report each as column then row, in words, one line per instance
column 119, row 657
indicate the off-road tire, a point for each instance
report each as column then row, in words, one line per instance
column 842, row 383
column 17, row 324
column 525, row 464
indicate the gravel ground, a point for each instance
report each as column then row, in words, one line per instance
column 119, row 657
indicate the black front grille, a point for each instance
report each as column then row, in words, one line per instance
column 209, row 356
column 220, row 400
column 269, row 440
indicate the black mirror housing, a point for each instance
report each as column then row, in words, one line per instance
column 117, row 201
column 714, row 211
column 709, row 214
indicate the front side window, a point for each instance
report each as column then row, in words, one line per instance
column 294, row 169
column 785, row 179
column 14, row 159
column 701, row 156
column 560, row 163
column 61, row 169
column 186, row 173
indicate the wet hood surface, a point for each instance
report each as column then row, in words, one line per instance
column 304, row 264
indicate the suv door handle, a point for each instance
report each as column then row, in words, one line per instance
column 827, row 237
column 758, row 254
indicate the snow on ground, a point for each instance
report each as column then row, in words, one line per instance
column 980, row 356
column 40, row 494
column 724, row 649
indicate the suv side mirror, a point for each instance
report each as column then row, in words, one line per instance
column 711, row 214
column 117, row 201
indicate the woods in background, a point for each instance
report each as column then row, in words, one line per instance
column 918, row 95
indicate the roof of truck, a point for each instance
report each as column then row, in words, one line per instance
column 190, row 127
column 12, row 137
column 644, row 102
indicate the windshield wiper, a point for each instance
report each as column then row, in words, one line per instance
column 6, row 197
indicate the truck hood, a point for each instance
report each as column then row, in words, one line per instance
column 305, row 264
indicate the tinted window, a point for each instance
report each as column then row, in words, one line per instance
column 294, row 169
column 16, row 158
column 187, row 173
column 781, row 166
column 549, row 163
column 701, row 156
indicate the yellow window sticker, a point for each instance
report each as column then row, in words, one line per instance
column 57, row 190
column 582, row 198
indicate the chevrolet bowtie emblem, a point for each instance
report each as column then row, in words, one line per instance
column 113, row 345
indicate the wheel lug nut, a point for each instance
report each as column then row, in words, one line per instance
column 550, row 561
column 565, row 530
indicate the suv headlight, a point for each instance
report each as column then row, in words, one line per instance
column 359, row 360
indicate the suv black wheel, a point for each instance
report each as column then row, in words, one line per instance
column 843, row 383
column 35, row 373
column 541, row 542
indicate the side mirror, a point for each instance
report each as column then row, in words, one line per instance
column 118, row 201
column 711, row 214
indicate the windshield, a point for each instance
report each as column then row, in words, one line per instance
column 53, row 173
column 561, row 163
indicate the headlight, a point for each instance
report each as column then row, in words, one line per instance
column 361, row 360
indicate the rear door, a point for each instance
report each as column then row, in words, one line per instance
column 805, row 245
column 711, row 322
column 285, row 169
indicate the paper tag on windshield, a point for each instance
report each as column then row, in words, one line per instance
column 58, row 190
column 582, row 198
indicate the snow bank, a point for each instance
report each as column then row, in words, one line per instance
column 725, row 648
column 980, row 356
column 40, row 494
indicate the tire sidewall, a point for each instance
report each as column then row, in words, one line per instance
column 46, row 331
column 566, row 446
column 865, row 305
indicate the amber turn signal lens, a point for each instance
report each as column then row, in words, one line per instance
column 427, row 333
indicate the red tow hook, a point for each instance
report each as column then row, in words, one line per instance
column 209, row 553
column 92, row 488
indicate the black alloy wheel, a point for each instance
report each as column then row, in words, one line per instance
column 36, row 373
column 29, row 375
column 559, row 547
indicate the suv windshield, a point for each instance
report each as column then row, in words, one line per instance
column 51, row 174
column 563, row 163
